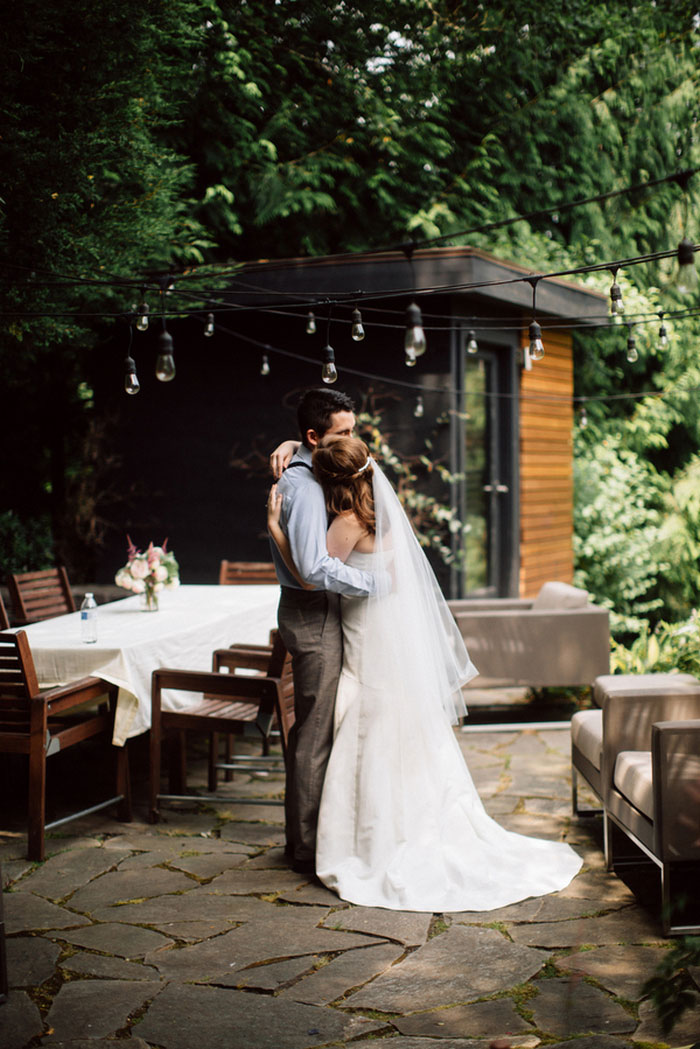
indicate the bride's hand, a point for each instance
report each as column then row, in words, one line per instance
column 282, row 456
column 274, row 506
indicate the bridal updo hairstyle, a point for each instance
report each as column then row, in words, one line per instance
column 342, row 470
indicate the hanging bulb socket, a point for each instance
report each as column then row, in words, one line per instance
column 329, row 372
column 419, row 410
column 357, row 331
column 310, row 322
column 536, row 347
column 265, row 365
column 415, row 336
column 131, row 381
column 687, row 276
column 165, row 362
column 142, row 312
column 662, row 341
column 209, row 326
column 472, row 344
column 617, row 306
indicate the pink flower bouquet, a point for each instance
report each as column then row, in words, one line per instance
column 148, row 573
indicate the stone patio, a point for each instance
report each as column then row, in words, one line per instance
column 194, row 932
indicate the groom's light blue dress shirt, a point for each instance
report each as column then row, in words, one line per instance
column 304, row 520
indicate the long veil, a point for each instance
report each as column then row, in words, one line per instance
column 419, row 643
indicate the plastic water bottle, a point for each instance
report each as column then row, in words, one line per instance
column 88, row 620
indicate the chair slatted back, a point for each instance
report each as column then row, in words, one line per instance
column 4, row 621
column 40, row 595
column 247, row 573
column 18, row 680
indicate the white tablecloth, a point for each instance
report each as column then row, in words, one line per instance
column 191, row 622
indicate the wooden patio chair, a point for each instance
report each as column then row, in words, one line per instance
column 4, row 621
column 40, row 595
column 42, row 723
column 240, row 573
column 228, row 703
column 274, row 661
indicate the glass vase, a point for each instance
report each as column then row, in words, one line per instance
column 149, row 601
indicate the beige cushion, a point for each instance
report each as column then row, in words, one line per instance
column 560, row 595
column 587, row 734
column 632, row 777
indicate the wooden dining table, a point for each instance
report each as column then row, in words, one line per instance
column 190, row 623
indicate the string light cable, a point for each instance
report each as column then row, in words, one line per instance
column 420, row 388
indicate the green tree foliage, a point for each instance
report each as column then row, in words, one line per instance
column 89, row 192
column 141, row 138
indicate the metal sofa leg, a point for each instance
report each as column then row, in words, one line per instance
column 574, row 790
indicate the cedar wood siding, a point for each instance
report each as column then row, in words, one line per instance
column 546, row 466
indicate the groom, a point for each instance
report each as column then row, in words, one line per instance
column 309, row 620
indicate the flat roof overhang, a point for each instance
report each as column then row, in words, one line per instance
column 455, row 272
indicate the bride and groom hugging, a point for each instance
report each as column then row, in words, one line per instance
column 379, row 802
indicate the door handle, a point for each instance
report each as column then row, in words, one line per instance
column 496, row 487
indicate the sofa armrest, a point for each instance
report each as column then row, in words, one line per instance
column 628, row 719
column 676, row 784
column 490, row 604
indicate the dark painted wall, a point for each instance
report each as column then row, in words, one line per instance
column 191, row 454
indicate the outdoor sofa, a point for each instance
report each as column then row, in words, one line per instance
column 639, row 753
column 558, row 638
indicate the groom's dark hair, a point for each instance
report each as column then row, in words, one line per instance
column 316, row 408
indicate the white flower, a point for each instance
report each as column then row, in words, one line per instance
column 172, row 583
column 161, row 573
column 139, row 569
column 157, row 587
column 138, row 586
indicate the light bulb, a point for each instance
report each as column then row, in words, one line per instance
column 329, row 372
column 410, row 358
column 357, row 332
column 419, row 409
column 663, row 337
column 209, row 326
column 617, row 306
column 131, row 382
column 142, row 311
column 472, row 344
column 310, row 323
column 632, row 354
column 165, row 362
column 536, row 347
column 583, row 418
column 265, row 365
column 687, row 276
column 415, row 336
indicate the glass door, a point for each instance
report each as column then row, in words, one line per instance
column 488, row 496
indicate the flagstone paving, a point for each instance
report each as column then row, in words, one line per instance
column 195, row 932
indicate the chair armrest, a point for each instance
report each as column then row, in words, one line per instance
column 628, row 719
column 63, row 697
column 266, row 691
column 676, row 784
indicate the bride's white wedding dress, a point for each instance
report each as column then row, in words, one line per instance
column 401, row 824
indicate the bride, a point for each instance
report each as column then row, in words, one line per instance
column 401, row 824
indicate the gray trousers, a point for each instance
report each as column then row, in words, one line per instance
column 309, row 623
